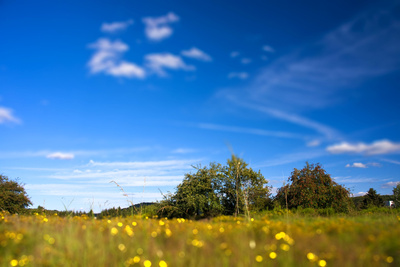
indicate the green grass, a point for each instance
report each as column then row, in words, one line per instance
column 368, row 239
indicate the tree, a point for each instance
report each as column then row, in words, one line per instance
column 396, row 195
column 198, row 194
column 372, row 199
column 217, row 189
column 312, row 187
column 243, row 187
column 13, row 197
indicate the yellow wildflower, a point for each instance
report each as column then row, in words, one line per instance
column 322, row 263
column 121, row 247
column 114, row 231
column 259, row 258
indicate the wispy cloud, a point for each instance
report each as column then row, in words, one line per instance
column 321, row 73
column 323, row 129
column 184, row 150
column 84, row 153
column 246, row 60
column 60, row 155
column 159, row 62
column 107, row 60
column 6, row 115
column 239, row 75
column 157, row 28
column 362, row 165
column 196, row 54
column 313, row 143
column 234, row 54
column 115, row 27
column 291, row 158
column 375, row 148
column 217, row 127
column 268, row 48
column 392, row 161
column 171, row 164
column 390, row 184
column 356, row 180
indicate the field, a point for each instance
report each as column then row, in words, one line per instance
column 271, row 239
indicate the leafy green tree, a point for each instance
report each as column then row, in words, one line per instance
column 13, row 197
column 312, row 187
column 198, row 194
column 372, row 199
column 396, row 196
column 217, row 189
column 243, row 187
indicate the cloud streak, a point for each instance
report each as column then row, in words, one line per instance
column 321, row 73
column 217, row 127
column 7, row 115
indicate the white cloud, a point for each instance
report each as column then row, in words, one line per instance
column 240, row 75
column 159, row 62
column 362, row 165
column 268, row 48
column 60, row 155
column 359, row 194
column 196, row 54
column 390, row 184
column 157, row 28
column 246, row 60
column 6, row 115
column 127, row 69
column 115, row 26
column 107, row 59
column 234, row 54
column 356, row 165
column 375, row 148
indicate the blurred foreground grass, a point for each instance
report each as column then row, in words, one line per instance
column 271, row 240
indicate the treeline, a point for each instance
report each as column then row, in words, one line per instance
column 230, row 189
column 235, row 189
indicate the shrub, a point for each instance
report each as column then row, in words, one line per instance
column 13, row 197
column 312, row 187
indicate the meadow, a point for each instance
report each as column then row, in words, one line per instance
column 274, row 238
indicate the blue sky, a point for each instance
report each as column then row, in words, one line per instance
column 136, row 92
